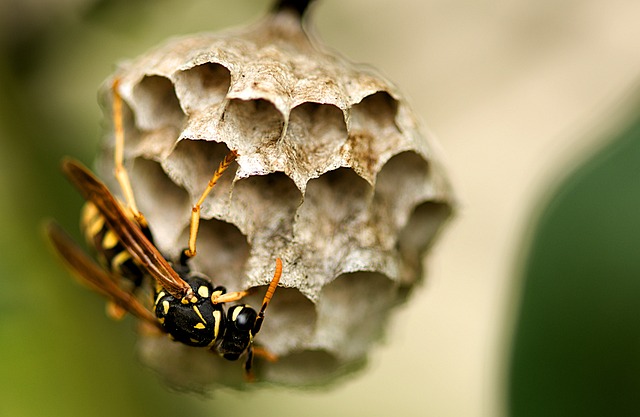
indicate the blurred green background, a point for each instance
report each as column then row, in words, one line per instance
column 577, row 340
column 535, row 106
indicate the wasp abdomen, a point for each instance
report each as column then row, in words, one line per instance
column 110, row 251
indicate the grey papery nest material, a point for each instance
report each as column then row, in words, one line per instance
column 333, row 176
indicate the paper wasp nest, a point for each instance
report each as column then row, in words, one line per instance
column 333, row 176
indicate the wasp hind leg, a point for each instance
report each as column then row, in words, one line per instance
column 256, row 351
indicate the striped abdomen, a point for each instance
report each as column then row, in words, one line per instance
column 110, row 252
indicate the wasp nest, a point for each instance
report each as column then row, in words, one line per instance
column 333, row 176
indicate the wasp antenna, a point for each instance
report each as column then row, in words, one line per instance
column 190, row 252
column 268, row 295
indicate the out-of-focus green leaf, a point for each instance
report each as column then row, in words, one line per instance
column 576, row 350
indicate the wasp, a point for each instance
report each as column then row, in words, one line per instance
column 186, row 305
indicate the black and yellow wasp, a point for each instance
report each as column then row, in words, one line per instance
column 186, row 306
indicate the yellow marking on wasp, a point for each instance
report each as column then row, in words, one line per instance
column 89, row 213
column 110, row 240
column 217, row 317
column 160, row 295
column 161, row 320
column 89, row 210
column 203, row 291
column 119, row 259
column 236, row 312
column 165, row 306
column 92, row 226
column 197, row 310
column 199, row 326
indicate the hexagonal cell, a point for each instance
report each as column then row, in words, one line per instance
column 332, row 218
column 263, row 208
column 156, row 104
column 164, row 204
column 192, row 164
column 372, row 133
column 379, row 108
column 325, row 124
column 397, row 191
column 352, row 312
column 222, row 253
column 251, row 127
column 289, row 320
column 417, row 235
column 202, row 86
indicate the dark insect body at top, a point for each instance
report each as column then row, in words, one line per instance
column 185, row 304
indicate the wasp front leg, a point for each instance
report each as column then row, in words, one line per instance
column 190, row 252
column 119, row 169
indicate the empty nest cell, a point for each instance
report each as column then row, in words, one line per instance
column 156, row 104
column 202, row 87
column 223, row 252
column 373, row 133
column 191, row 165
column 326, row 125
column 165, row 205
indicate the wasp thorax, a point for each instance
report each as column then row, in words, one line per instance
column 333, row 175
column 196, row 322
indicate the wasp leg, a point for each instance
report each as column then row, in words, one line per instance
column 114, row 311
column 119, row 169
column 190, row 252
column 249, row 376
column 229, row 297
column 265, row 354
column 253, row 351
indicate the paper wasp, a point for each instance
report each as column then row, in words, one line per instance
column 186, row 306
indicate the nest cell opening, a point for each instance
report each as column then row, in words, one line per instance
column 372, row 133
column 192, row 164
column 332, row 203
column 332, row 220
column 289, row 320
column 202, row 86
column 165, row 205
column 263, row 207
column 352, row 312
column 251, row 127
column 314, row 137
column 418, row 234
column 222, row 253
column 379, row 108
column 156, row 105
column 399, row 187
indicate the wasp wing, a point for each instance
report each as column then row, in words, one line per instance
column 130, row 235
column 94, row 276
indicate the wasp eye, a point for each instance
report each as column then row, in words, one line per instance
column 242, row 316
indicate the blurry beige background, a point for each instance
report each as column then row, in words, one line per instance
column 518, row 92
